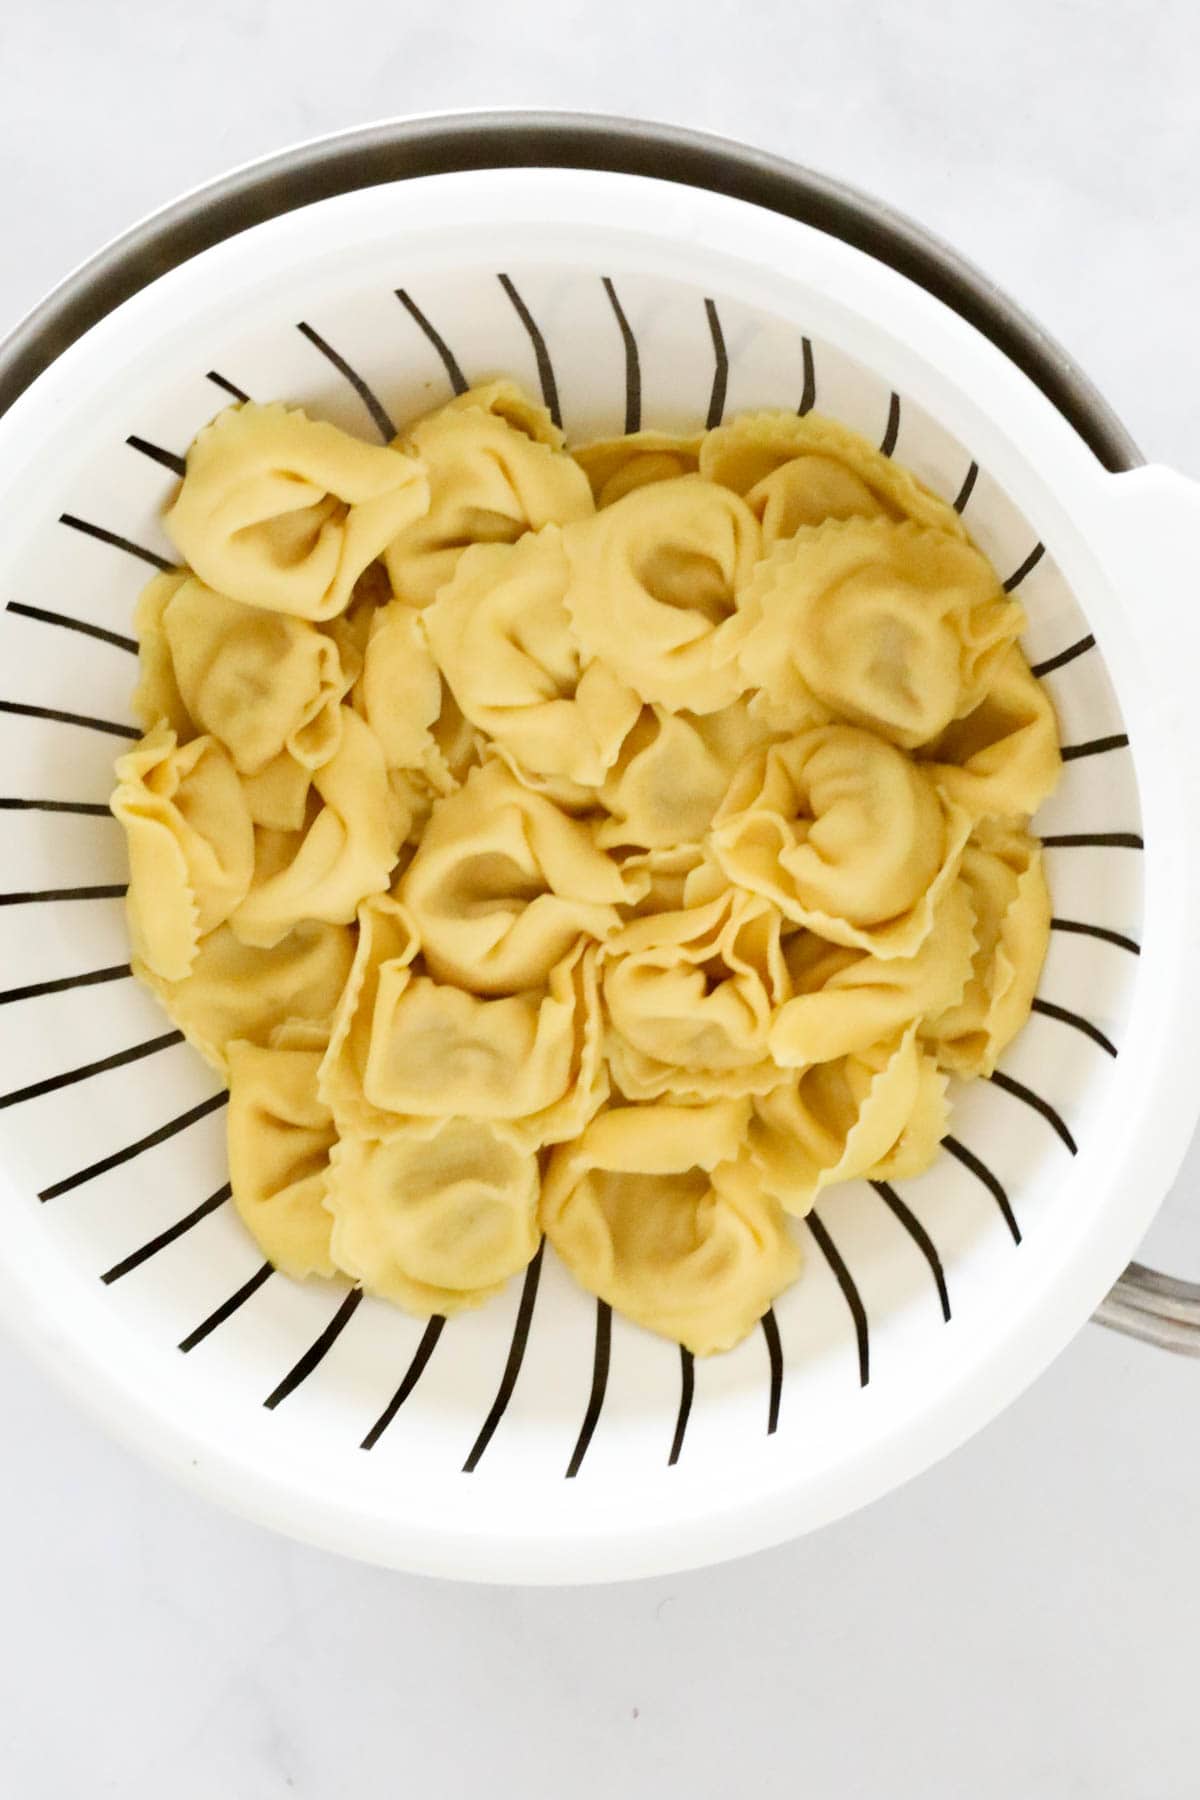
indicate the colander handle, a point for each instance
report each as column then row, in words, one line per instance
column 1146, row 530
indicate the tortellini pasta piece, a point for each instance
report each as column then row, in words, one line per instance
column 1003, row 759
column 495, row 472
column 263, row 683
column 1003, row 873
column 434, row 1222
column 236, row 992
column 347, row 852
column 672, row 773
column 503, row 638
column 531, row 1059
column 652, row 1210
column 654, row 582
column 615, row 466
column 845, row 835
column 880, row 1112
column 283, row 511
column 503, row 885
column 690, row 998
column 405, row 1047
column 891, row 627
column 845, row 1000
column 796, row 471
column 280, row 1139
column 191, row 846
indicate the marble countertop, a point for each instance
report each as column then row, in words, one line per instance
column 1022, row 1619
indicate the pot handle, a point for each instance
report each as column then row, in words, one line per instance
column 1146, row 529
column 1159, row 1309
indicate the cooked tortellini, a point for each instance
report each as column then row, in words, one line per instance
column 653, row 1209
column 878, row 1112
column 796, row 471
column 892, row 627
column 263, row 683
column 673, row 772
column 691, row 997
column 624, row 846
column 654, row 583
column 495, row 471
column 502, row 635
column 436, row 1222
column 504, row 882
column 236, row 991
column 283, row 511
column 845, row 834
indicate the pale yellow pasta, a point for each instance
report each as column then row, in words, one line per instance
column 845, row 1000
column 847, row 1118
column 797, row 471
column 283, row 511
column 892, row 627
column 654, row 581
column 278, row 795
column 280, row 1139
column 626, row 845
column 533, row 1060
column 651, row 1210
column 665, row 875
column 387, row 938
column 263, row 683
column 508, row 401
column 690, row 997
column 345, row 854
column 399, row 692
column 495, row 471
column 1002, row 872
column 404, row 1047
column 190, row 843
column 503, row 884
column 672, row 773
column 845, row 835
column 503, row 638
column 156, row 698
column 1003, row 759
column 236, row 991
column 928, row 1121
column 436, row 1223
column 615, row 466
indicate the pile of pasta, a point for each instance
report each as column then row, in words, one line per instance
column 622, row 846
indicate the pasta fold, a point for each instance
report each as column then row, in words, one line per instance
column 191, row 846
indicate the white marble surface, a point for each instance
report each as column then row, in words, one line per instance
column 1022, row 1620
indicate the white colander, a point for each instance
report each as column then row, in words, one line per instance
column 543, row 1438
